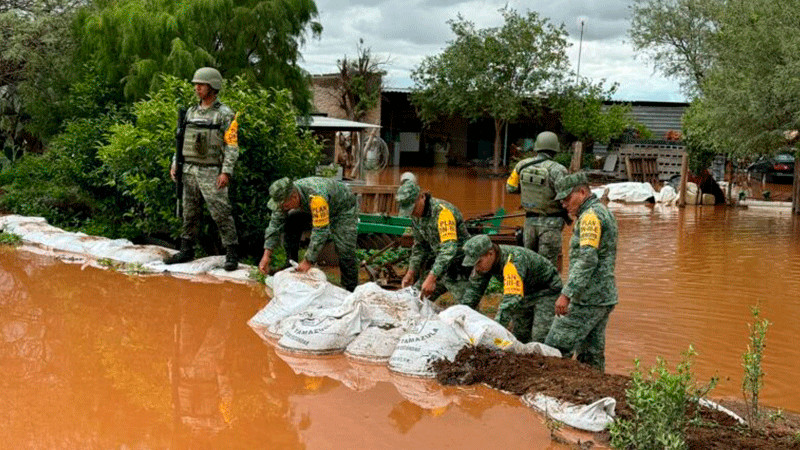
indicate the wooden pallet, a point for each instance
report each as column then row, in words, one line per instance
column 376, row 199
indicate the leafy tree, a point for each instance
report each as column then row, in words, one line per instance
column 499, row 72
column 35, row 45
column 676, row 36
column 138, row 155
column 133, row 41
column 584, row 116
column 361, row 82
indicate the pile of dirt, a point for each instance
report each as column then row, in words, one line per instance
column 578, row 383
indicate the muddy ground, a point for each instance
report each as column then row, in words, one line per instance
column 572, row 381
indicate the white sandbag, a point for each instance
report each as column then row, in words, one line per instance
column 478, row 329
column 538, row 348
column 667, row 195
column 630, row 192
column 429, row 339
column 387, row 308
column 595, row 417
column 325, row 330
column 295, row 292
column 374, row 344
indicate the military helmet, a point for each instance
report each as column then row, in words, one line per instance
column 547, row 140
column 209, row 76
column 474, row 248
column 406, row 197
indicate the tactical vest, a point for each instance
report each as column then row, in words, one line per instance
column 202, row 143
column 537, row 195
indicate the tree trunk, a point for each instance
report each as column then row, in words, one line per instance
column 796, row 184
column 498, row 140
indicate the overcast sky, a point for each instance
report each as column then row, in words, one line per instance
column 405, row 31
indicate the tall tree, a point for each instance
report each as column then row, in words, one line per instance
column 498, row 72
column 133, row 41
column 586, row 117
column 361, row 82
column 675, row 35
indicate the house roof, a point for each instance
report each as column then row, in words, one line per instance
column 329, row 123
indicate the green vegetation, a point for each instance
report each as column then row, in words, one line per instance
column 490, row 73
column 753, row 373
column 109, row 175
column 9, row 239
column 660, row 403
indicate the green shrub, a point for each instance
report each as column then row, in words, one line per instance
column 9, row 239
column 753, row 373
column 659, row 402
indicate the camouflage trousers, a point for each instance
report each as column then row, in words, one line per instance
column 528, row 319
column 199, row 183
column 543, row 235
column 582, row 331
column 344, row 234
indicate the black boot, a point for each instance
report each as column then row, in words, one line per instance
column 231, row 259
column 184, row 255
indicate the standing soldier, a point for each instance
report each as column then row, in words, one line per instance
column 439, row 234
column 333, row 212
column 531, row 285
column 210, row 151
column 536, row 178
column 590, row 293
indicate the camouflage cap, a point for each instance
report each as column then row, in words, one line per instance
column 565, row 185
column 474, row 248
column 279, row 191
column 406, row 197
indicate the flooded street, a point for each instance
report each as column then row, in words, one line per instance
column 97, row 359
column 92, row 358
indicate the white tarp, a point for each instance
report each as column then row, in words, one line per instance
column 595, row 417
column 36, row 230
column 635, row 192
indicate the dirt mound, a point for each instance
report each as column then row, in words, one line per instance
column 578, row 383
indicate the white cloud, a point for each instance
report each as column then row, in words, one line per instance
column 406, row 32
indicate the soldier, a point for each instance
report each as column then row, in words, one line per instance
column 333, row 211
column 536, row 178
column 531, row 285
column 590, row 293
column 439, row 233
column 210, row 151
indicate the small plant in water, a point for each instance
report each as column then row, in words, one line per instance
column 9, row 239
column 753, row 373
column 659, row 403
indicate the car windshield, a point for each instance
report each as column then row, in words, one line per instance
column 784, row 158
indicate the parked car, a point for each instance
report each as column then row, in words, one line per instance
column 774, row 169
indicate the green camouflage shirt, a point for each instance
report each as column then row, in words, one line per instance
column 524, row 273
column 592, row 256
column 440, row 232
column 325, row 199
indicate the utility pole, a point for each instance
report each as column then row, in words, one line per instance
column 580, row 48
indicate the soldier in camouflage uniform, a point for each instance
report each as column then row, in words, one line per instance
column 210, row 151
column 535, row 178
column 589, row 296
column 333, row 209
column 531, row 285
column 439, row 234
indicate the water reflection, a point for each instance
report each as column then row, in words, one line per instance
column 93, row 358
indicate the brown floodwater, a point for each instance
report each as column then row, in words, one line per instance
column 686, row 276
column 92, row 358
